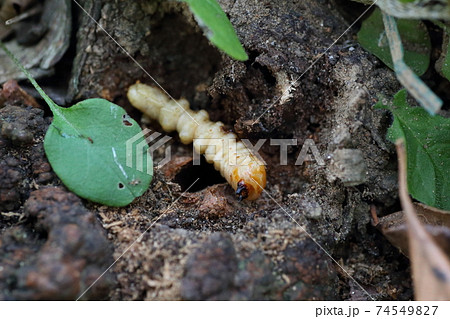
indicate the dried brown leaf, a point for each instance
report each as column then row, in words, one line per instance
column 430, row 266
column 436, row 222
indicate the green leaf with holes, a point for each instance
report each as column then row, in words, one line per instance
column 96, row 149
column 427, row 141
column 217, row 28
column 414, row 35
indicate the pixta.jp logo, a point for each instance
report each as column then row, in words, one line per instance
column 140, row 149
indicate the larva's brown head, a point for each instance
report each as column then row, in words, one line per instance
column 251, row 180
column 242, row 190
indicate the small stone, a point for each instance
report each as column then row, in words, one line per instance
column 349, row 166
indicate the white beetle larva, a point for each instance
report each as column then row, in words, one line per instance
column 240, row 167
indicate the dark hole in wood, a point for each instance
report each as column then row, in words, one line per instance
column 205, row 172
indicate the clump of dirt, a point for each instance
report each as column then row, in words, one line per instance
column 22, row 160
column 213, row 271
column 57, row 253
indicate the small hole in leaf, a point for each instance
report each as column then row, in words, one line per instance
column 121, row 186
column 126, row 120
column 205, row 172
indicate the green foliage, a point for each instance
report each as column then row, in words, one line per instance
column 446, row 63
column 427, row 141
column 414, row 35
column 444, row 66
column 218, row 29
column 86, row 146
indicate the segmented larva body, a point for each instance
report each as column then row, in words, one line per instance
column 237, row 164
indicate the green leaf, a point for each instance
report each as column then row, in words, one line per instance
column 446, row 63
column 443, row 63
column 91, row 147
column 427, row 141
column 415, row 38
column 218, row 29
column 86, row 147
